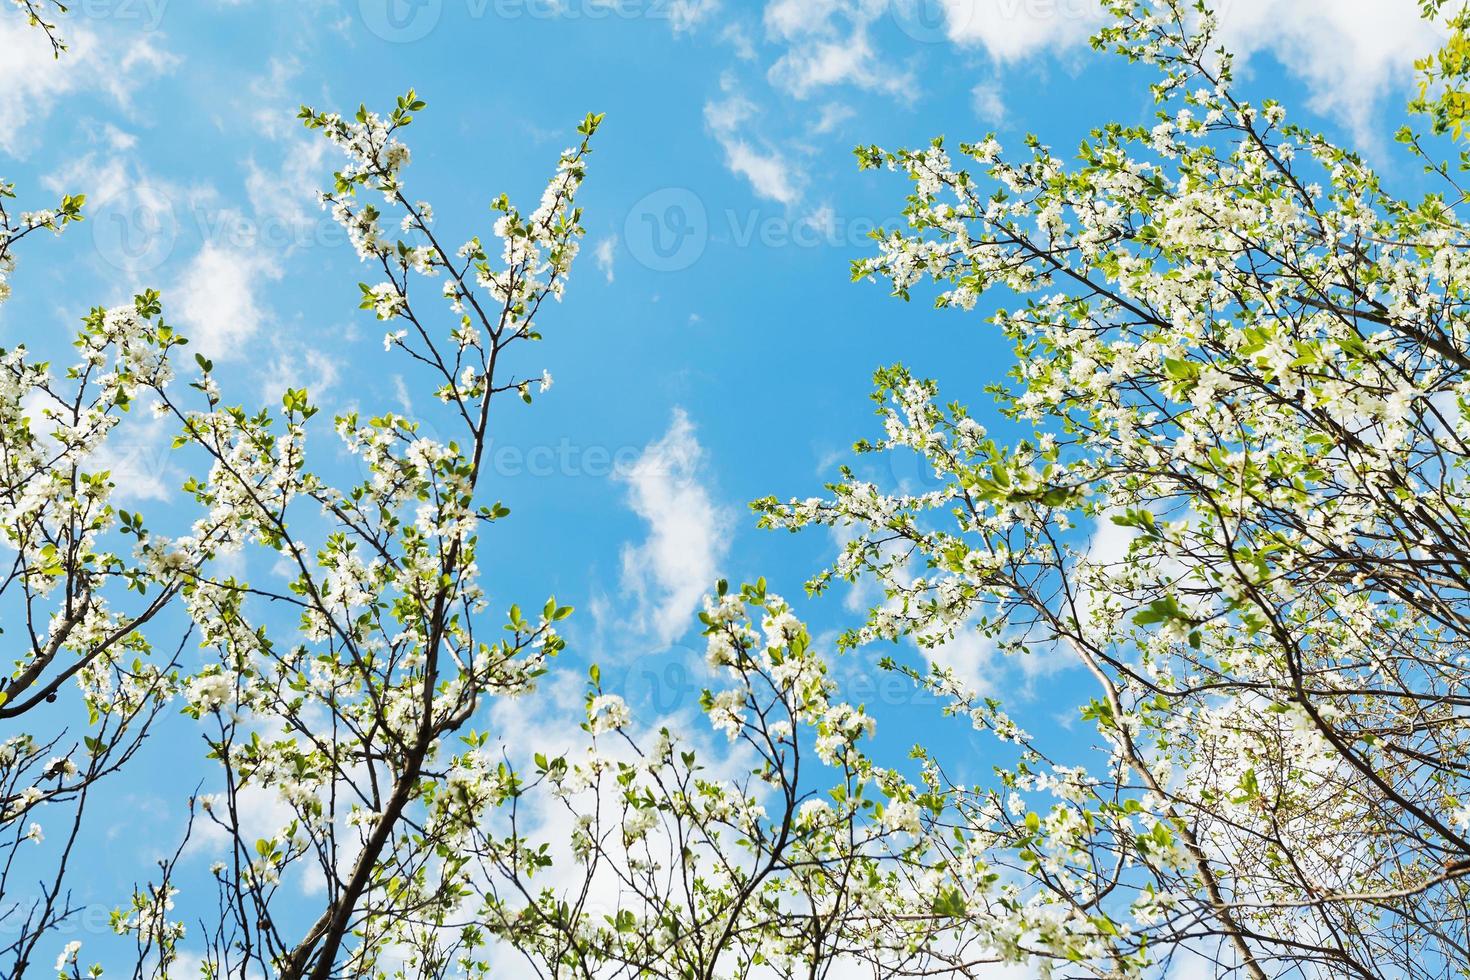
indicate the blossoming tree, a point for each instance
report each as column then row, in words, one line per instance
column 1233, row 344
column 350, row 728
column 367, row 732
column 74, row 598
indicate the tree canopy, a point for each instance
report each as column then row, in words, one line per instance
column 1239, row 504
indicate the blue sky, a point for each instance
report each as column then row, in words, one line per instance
column 711, row 348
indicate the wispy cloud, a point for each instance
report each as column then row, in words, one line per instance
column 218, row 299
column 32, row 81
column 827, row 44
column 688, row 533
column 770, row 172
column 605, row 252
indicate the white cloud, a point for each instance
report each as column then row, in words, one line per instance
column 736, row 35
column 117, row 139
column 401, row 394
column 185, row 964
column 835, row 61
column 103, row 181
column 727, row 115
column 822, row 220
column 1350, row 53
column 834, row 114
column 284, row 197
column 32, row 81
column 989, row 107
column 688, row 534
column 769, row 171
column 283, row 191
column 605, row 253
column 828, row 44
column 217, row 299
column 298, row 367
column 1011, row 29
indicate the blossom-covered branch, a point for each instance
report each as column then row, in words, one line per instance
column 1234, row 344
column 350, row 728
column 36, row 13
